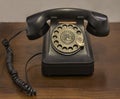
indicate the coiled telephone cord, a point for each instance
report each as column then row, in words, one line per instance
column 24, row 86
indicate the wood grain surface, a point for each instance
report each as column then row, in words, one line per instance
column 103, row 84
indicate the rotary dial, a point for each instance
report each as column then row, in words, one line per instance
column 67, row 39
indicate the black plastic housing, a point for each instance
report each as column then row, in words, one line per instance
column 55, row 64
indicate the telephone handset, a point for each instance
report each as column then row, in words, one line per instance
column 38, row 26
column 66, row 48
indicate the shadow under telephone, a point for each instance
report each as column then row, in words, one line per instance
column 66, row 46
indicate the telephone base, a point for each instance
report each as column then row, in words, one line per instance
column 55, row 64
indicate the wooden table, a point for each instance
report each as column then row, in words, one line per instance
column 104, row 83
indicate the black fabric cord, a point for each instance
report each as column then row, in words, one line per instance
column 26, row 65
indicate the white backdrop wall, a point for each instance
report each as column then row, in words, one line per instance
column 18, row 10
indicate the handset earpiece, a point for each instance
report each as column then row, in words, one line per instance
column 98, row 24
column 34, row 32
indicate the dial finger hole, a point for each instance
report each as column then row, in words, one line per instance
column 56, row 32
column 64, row 25
column 64, row 48
column 70, row 25
column 75, row 28
column 78, row 32
column 75, row 47
column 70, row 48
column 60, row 28
column 56, row 42
column 54, row 36
column 59, row 46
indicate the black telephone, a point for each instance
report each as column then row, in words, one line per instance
column 66, row 46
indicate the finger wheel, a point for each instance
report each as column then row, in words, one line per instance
column 67, row 39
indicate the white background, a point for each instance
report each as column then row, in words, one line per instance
column 18, row 10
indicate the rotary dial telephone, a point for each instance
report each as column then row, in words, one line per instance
column 66, row 46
